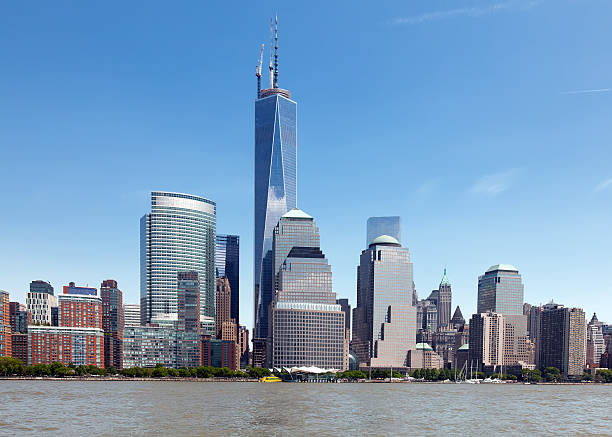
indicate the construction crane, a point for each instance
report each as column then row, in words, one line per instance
column 258, row 72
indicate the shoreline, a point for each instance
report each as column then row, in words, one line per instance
column 208, row 380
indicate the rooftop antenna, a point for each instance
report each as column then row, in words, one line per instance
column 258, row 72
column 276, row 52
column 271, row 44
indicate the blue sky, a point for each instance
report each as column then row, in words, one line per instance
column 485, row 125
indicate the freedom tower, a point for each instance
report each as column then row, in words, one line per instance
column 275, row 184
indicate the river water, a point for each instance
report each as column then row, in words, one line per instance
column 91, row 408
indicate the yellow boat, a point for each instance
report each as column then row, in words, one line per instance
column 270, row 379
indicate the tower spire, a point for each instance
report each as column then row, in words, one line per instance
column 276, row 51
column 270, row 66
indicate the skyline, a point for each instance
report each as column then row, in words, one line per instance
column 116, row 124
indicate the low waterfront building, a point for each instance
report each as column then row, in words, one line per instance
column 219, row 353
column 19, row 347
column 79, row 346
column 424, row 357
column 146, row 346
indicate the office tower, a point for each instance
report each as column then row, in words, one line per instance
column 378, row 226
column 227, row 264
column 177, row 235
column 533, row 321
column 384, row 321
column 561, row 341
column 486, row 340
column 308, row 327
column 80, row 331
column 457, row 321
column 275, row 186
column 71, row 288
column 112, row 323
column 225, row 326
column 5, row 325
column 500, row 290
column 243, row 344
column 444, row 302
column 426, row 315
column 19, row 317
column 131, row 314
column 346, row 309
column 595, row 342
column 40, row 301
column 188, row 301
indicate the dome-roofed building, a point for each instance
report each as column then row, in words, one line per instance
column 423, row 347
column 385, row 240
column 424, row 357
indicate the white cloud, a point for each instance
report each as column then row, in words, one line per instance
column 475, row 11
column 428, row 187
column 496, row 183
column 600, row 90
column 605, row 184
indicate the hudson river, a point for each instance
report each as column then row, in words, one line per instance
column 86, row 408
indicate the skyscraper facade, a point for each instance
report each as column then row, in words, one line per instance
column 40, row 302
column 19, row 317
column 308, row 327
column 384, row 321
column 561, row 341
column 377, row 226
column 131, row 314
column 443, row 306
column 486, row 340
column 225, row 325
column 227, row 264
column 275, row 184
column 500, row 290
column 112, row 323
column 595, row 341
column 5, row 325
column 188, row 301
column 177, row 235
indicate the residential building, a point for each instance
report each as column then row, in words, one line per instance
column 389, row 225
column 147, row 346
column 5, row 325
column 131, row 314
column 308, row 327
column 384, row 321
column 19, row 317
column 486, row 340
column 19, row 346
column 112, row 323
column 561, row 341
column 40, row 302
column 443, row 304
column 79, row 339
column 275, row 189
column 66, row 344
column 595, row 342
column 500, row 290
column 227, row 264
column 177, row 235
column 71, row 288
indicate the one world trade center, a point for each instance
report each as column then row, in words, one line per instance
column 275, row 186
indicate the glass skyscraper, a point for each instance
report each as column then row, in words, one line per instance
column 500, row 290
column 275, row 185
column 177, row 235
column 227, row 264
column 377, row 226
column 384, row 321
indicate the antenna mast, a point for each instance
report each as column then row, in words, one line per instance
column 258, row 72
column 271, row 44
column 276, row 52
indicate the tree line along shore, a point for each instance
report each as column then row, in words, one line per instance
column 13, row 368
